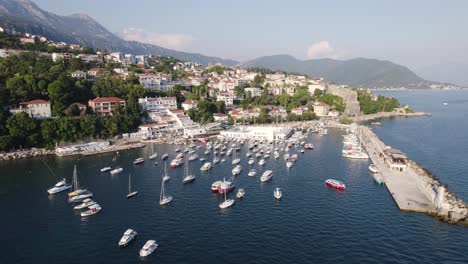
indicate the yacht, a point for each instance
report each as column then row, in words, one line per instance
column 215, row 160
column 138, row 161
column 251, row 161
column 252, row 173
column 207, row 166
column 266, row 176
column 93, row 209
column 308, row 146
column 289, row 164
column 240, row 193
column 261, row 162
column 106, row 169
column 176, row 163
column 248, row 155
column 86, row 203
column 127, row 237
column 116, row 170
column 373, row 168
column 237, row 169
column 223, row 160
column 59, row 187
column 258, row 155
column 177, row 150
column 226, row 186
column 148, row 248
column 335, row 184
column 278, row 194
column 276, row 154
column 165, row 156
column 216, row 186
column 356, row 155
column 286, row 156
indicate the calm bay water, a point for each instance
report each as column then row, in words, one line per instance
column 312, row 224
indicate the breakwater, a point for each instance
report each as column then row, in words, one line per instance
column 412, row 187
column 22, row 154
column 368, row 117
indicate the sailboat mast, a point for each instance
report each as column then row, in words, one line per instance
column 129, row 184
column 75, row 178
column 161, row 194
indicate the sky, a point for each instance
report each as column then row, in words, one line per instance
column 421, row 35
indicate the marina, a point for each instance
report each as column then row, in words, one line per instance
column 303, row 195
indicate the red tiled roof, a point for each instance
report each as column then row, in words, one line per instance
column 37, row 101
column 219, row 114
column 107, row 99
column 320, row 104
column 96, row 69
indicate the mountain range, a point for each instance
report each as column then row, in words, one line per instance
column 25, row 16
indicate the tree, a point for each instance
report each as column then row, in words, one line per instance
column 22, row 129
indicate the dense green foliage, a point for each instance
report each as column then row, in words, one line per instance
column 346, row 121
column 205, row 110
column 371, row 104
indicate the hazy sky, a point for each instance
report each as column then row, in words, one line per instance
column 415, row 33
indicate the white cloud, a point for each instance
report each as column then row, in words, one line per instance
column 322, row 49
column 166, row 40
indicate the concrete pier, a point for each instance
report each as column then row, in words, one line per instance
column 403, row 185
column 414, row 188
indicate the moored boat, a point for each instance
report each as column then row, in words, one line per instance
column 93, row 209
column 207, row 166
column 373, row 168
column 266, row 176
column 138, row 161
column 237, row 169
column 59, row 187
column 252, row 173
column 106, row 169
column 116, row 170
column 128, row 236
column 240, row 193
column 148, row 248
column 335, row 184
column 86, row 203
column 278, row 194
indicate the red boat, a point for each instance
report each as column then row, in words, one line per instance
column 335, row 184
column 176, row 163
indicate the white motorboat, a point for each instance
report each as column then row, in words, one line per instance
column 252, row 173
column 93, row 209
column 248, row 155
column 177, row 150
column 188, row 177
column 130, row 193
column 207, row 166
column 356, row 155
column 294, row 157
column 289, row 164
column 223, row 160
column 266, row 176
column 240, row 193
column 202, row 159
column 261, row 162
column 258, row 155
column 176, row 163
column 237, row 169
column 278, row 194
column 165, row 156
column 148, row 248
column 59, row 187
column 127, row 237
column 373, row 168
column 106, row 169
column 207, row 152
column 116, row 170
column 80, row 197
column 378, row 178
column 251, row 161
column 286, row 156
column 86, row 203
column 138, row 161
column 215, row 160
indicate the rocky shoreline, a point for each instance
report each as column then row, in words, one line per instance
column 22, row 154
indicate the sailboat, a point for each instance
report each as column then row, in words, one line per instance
column 130, row 193
column 153, row 155
column 163, row 199
column 227, row 202
column 188, row 177
column 78, row 195
column 166, row 177
column 236, row 159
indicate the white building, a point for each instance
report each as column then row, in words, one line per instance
column 38, row 109
column 157, row 103
column 321, row 109
column 79, row 74
column 228, row 98
column 258, row 132
column 254, row 91
column 150, row 81
column 189, row 104
column 219, row 117
column 313, row 87
column 299, row 110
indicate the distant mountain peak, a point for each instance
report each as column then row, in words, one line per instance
column 26, row 16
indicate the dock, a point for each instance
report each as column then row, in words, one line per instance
column 403, row 185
